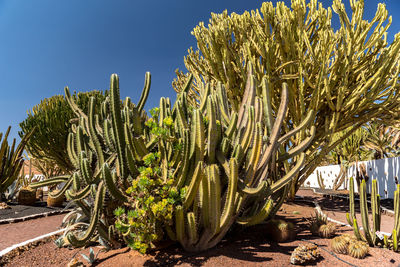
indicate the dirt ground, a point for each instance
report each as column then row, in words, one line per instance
column 241, row 247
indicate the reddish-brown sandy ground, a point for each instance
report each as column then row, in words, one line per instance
column 241, row 247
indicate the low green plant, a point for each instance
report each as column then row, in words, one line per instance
column 152, row 201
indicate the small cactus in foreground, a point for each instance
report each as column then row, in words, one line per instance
column 327, row 230
column 281, row 231
column 341, row 243
column 319, row 226
column 358, row 249
column 305, row 254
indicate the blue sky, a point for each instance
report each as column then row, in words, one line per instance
column 49, row 44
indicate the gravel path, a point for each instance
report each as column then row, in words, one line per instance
column 15, row 233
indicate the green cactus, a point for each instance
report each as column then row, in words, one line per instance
column 370, row 235
column 227, row 165
column 320, row 65
column 11, row 160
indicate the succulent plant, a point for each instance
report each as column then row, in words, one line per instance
column 278, row 39
column 327, row 230
column 305, row 254
column 339, row 245
column 316, row 221
column 52, row 119
column 228, row 167
column 281, row 231
column 358, row 249
column 11, row 160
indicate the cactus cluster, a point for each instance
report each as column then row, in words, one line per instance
column 326, row 69
column 320, row 226
column 348, row 244
column 305, row 254
column 371, row 233
column 231, row 167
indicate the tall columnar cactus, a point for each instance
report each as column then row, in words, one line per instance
column 11, row 159
column 326, row 70
column 371, row 235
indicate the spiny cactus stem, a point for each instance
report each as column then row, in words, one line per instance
column 145, row 92
column 78, row 242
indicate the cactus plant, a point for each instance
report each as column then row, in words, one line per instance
column 52, row 118
column 371, row 235
column 327, row 230
column 358, row 249
column 281, row 231
column 230, row 166
column 340, row 244
column 11, row 160
column 277, row 40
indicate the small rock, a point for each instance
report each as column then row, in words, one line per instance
column 305, row 254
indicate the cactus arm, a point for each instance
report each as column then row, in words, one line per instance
column 300, row 147
column 194, row 185
column 81, row 194
column 186, row 160
column 191, row 228
column 212, row 140
column 232, row 126
column 180, row 225
column 357, row 230
column 214, row 198
column 229, row 206
column 72, row 103
column 254, row 156
column 289, row 176
column 222, row 98
column 93, row 132
column 307, row 120
column 243, row 189
column 248, row 134
column 352, row 214
column 198, row 140
column 203, row 101
column 76, row 183
column 397, row 209
column 51, row 181
column 98, row 204
column 266, row 98
column 395, row 243
column 117, row 123
column 145, row 91
column 259, row 217
column 364, row 213
column 279, row 203
column 110, row 180
column 71, row 150
column 375, row 210
column 275, row 129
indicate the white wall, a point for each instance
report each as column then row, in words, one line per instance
column 386, row 171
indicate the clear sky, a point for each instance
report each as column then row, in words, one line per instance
column 46, row 45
